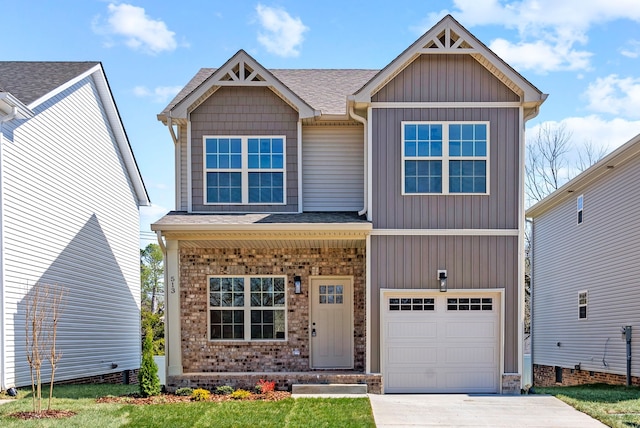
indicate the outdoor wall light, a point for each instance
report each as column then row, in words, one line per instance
column 297, row 284
column 442, row 277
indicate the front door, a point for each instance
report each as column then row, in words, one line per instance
column 331, row 323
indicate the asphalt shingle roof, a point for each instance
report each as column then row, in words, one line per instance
column 323, row 89
column 184, row 218
column 28, row 81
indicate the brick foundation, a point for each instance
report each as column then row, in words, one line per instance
column 199, row 355
column 546, row 376
column 283, row 380
column 125, row 377
column 511, row 384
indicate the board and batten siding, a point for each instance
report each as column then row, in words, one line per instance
column 182, row 204
column 498, row 210
column 445, row 78
column 472, row 262
column 71, row 219
column 333, row 168
column 244, row 111
column 600, row 256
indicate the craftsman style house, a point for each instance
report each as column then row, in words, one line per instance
column 350, row 226
column 585, row 275
column 70, row 190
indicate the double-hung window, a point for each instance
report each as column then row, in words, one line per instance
column 579, row 207
column 445, row 158
column 244, row 170
column 247, row 307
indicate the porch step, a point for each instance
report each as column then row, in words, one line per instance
column 329, row 389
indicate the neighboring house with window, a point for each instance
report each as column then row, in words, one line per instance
column 70, row 191
column 350, row 226
column 585, row 269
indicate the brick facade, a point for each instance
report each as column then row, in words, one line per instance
column 511, row 384
column 546, row 376
column 199, row 355
column 125, row 377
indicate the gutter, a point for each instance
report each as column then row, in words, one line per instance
column 363, row 120
column 3, row 119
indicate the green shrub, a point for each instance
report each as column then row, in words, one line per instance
column 185, row 392
column 240, row 394
column 223, row 390
column 148, row 374
column 200, row 394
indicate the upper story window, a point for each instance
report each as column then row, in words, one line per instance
column 244, row 170
column 445, row 157
column 582, row 304
column 579, row 206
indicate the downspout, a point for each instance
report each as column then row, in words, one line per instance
column 363, row 120
column 3, row 119
column 626, row 330
column 531, row 287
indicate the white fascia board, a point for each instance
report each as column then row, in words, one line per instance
column 445, row 232
column 304, row 110
column 294, row 227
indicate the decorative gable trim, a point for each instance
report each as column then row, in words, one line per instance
column 241, row 70
column 449, row 37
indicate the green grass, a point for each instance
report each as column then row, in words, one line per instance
column 613, row 405
column 303, row 412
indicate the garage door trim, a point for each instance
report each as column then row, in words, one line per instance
column 385, row 293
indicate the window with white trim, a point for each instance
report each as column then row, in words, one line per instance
column 579, row 206
column 582, row 304
column 247, row 307
column 244, row 169
column 445, row 158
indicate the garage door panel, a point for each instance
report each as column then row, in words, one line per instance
column 412, row 355
column 452, row 347
column 412, row 330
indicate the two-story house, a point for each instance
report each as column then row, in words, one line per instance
column 70, row 192
column 350, row 225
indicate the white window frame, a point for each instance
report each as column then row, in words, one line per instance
column 247, row 309
column 445, row 158
column 244, row 170
column 584, row 304
column 580, row 209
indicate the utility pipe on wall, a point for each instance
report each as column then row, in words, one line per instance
column 626, row 330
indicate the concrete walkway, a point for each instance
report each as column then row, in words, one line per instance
column 456, row 410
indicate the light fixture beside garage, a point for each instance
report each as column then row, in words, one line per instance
column 442, row 277
column 297, row 284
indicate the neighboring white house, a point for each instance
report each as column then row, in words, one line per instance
column 585, row 270
column 70, row 191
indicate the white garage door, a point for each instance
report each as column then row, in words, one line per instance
column 441, row 343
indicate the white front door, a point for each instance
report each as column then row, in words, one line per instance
column 331, row 323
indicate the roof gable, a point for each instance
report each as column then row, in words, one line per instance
column 239, row 70
column 449, row 37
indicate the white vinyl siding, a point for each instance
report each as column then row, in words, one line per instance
column 333, row 168
column 600, row 256
column 71, row 219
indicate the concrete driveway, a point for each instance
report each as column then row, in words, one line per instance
column 458, row 410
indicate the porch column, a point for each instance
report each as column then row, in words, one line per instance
column 173, row 348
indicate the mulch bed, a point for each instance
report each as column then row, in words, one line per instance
column 45, row 414
column 170, row 398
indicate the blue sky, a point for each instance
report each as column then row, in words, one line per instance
column 584, row 53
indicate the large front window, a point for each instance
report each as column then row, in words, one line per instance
column 244, row 170
column 247, row 307
column 445, row 157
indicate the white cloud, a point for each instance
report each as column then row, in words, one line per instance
column 545, row 27
column 159, row 94
column 281, row 34
column 594, row 130
column 615, row 95
column 140, row 32
column 632, row 50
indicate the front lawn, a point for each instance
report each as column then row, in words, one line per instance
column 81, row 399
column 613, row 405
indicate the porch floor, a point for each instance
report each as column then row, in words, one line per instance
column 284, row 380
